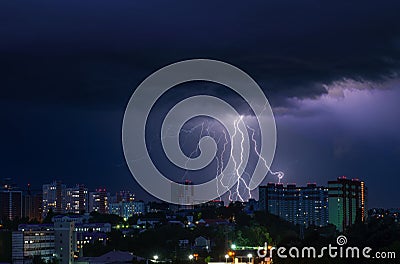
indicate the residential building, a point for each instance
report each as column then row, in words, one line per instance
column 347, row 202
column 183, row 195
column 98, row 201
column 85, row 232
column 32, row 205
column 306, row 205
column 10, row 203
column 32, row 240
column 127, row 209
column 54, row 195
column 64, row 240
column 77, row 199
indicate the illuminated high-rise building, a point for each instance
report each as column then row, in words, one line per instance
column 271, row 198
column 32, row 240
column 98, row 201
column 64, row 240
column 54, row 195
column 347, row 202
column 307, row 205
column 10, row 201
column 183, row 195
column 77, row 199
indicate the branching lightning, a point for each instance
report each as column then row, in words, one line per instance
column 220, row 166
column 238, row 177
column 279, row 174
column 233, row 178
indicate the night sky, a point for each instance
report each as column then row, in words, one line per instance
column 330, row 69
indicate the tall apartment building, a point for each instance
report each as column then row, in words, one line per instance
column 54, row 195
column 77, row 199
column 64, row 240
column 299, row 205
column 10, row 202
column 347, row 202
column 98, row 201
column 32, row 205
column 32, row 240
column 183, row 195
column 315, row 204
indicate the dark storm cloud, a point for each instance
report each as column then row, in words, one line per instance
column 96, row 52
column 68, row 69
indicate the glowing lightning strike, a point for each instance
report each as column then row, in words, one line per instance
column 220, row 166
column 279, row 174
column 236, row 166
column 237, row 158
column 240, row 178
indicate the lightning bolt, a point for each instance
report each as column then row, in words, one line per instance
column 238, row 164
column 232, row 178
column 220, row 165
column 279, row 174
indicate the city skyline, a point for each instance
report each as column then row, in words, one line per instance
column 78, row 199
column 118, row 192
column 66, row 235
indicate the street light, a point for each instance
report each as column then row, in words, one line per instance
column 191, row 257
column 226, row 258
column 155, row 257
column 249, row 256
column 233, row 246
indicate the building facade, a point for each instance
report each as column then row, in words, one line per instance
column 10, row 204
column 347, row 202
column 77, row 199
column 98, row 201
column 127, row 209
column 32, row 205
column 32, row 240
column 54, row 197
column 182, row 196
column 62, row 240
column 306, row 205
column 65, row 244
